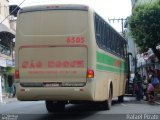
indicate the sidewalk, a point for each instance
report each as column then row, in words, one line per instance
column 128, row 98
column 158, row 99
column 6, row 99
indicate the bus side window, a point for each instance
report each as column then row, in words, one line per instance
column 105, row 35
column 118, row 45
column 97, row 30
column 109, row 40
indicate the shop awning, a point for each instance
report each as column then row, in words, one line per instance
column 4, row 28
column 6, row 36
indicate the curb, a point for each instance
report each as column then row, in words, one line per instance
column 6, row 100
column 157, row 102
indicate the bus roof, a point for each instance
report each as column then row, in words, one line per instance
column 54, row 7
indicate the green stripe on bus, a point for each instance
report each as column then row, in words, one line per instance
column 106, row 59
column 107, row 68
column 102, row 58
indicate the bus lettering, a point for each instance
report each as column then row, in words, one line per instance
column 53, row 72
column 54, row 64
column 66, row 64
column 31, row 64
column 117, row 63
column 25, row 64
column 75, row 40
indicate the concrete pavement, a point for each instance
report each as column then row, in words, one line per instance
column 6, row 99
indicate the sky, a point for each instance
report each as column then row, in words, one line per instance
column 108, row 9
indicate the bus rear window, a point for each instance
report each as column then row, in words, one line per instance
column 53, row 22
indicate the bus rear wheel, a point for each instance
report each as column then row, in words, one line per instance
column 55, row 106
column 106, row 105
column 109, row 101
column 121, row 98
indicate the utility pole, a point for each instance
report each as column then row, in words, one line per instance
column 118, row 19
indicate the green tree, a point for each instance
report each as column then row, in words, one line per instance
column 145, row 27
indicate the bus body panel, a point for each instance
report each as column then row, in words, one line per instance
column 85, row 93
column 55, row 64
column 107, row 74
column 52, row 57
column 51, row 39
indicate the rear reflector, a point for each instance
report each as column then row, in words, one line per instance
column 90, row 73
column 17, row 74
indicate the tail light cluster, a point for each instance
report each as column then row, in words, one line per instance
column 90, row 73
column 17, row 74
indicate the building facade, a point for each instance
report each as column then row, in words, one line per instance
column 147, row 59
column 132, row 49
column 7, row 42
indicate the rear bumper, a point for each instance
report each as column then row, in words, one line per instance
column 56, row 93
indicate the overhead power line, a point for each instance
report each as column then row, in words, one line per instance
column 12, row 11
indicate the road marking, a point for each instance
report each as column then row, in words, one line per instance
column 157, row 102
column 124, row 104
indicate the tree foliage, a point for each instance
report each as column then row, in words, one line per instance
column 145, row 27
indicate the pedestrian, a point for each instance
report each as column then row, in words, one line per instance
column 138, row 86
column 10, row 85
column 154, row 78
column 145, row 84
column 150, row 92
column 14, row 90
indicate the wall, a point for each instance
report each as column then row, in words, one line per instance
column 4, row 12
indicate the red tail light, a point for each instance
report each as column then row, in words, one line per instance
column 90, row 73
column 17, row 74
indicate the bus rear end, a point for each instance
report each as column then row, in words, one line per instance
column 52, row 54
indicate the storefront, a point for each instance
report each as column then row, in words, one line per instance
column 2, row 71
column 6, row 54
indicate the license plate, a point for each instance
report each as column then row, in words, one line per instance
column 51, row 84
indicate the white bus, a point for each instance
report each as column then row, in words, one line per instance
column 68, row 54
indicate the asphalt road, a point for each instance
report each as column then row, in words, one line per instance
column 120, row 111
